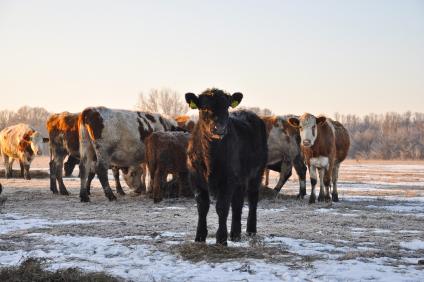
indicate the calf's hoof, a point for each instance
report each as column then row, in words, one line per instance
column 120, row 192
column 321, row 198
column 222, row 243
column 157, row 200
column 335, row 197
column 200, row 238
column 312, row 199
column 235, row 237
column 55, row 192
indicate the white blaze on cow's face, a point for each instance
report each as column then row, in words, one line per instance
column 308, row 128
column 36, row 141
column 308, row 131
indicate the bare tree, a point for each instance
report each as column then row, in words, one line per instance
column 164, row 101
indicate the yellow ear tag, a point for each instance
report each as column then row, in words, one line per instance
column 234, row 103
column 193, row 105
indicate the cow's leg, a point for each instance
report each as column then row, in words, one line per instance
column 143, row 178
column 27, row 176
column 327, row 180
column 301, row 169
column 21, row 165
column 222, row 207
column 285, row 173
column 236, row 211
column 90, row 178
column 69, row 165
column 335, row 176
column 159, row 176
column 321, row 172
column 52, row 167
column 252, row 198
column 84, row 168
column 59, row 176
column 313, row 176
column 115, row 171
column 7, row 167
column 102, row 166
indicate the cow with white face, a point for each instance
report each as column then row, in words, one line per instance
column 325, row 144
column 23, row 143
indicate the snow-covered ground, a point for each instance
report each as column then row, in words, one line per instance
column 374, row 233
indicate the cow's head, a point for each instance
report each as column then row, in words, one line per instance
column 213, row 107
column 132, row 176
column 33, row 141
column 308, row 127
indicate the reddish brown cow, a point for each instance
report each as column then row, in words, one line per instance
column 185, row 122
column 325, row 144
column 166, row 153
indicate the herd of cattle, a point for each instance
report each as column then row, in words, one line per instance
column 224, row 153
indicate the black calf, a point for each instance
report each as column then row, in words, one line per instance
column 227, row 155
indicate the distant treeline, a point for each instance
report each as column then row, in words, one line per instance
column 386, row 136
column 36, row 117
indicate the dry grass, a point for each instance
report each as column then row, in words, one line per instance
column 31, row 270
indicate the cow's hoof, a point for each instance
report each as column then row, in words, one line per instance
column 327, row 198
column 55, row 192
column 335, row 197
column 64, row 192
column 157, row 200
column 111, row 197
column 321, row 198
column 1, row 188
column 120, row 192
column 312, row 199
column 85, row 199
column 27, row 177
column 251, row 233
column 300, row 196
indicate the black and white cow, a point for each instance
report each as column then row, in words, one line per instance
column 227, row 156
column 115, row 137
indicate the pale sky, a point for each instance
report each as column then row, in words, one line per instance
column 289, row 56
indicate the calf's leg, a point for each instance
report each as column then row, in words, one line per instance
column 222, row 209
column 27, row 176
column 321, row 172
column 252, row 198
column 236, row 211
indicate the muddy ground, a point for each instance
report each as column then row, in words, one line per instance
column 379, row 216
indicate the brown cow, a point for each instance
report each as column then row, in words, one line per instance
column 166, row 153
column 325, row 144
column 23, row 143
column 284, row 152
column 185, row 122
column 64, row 141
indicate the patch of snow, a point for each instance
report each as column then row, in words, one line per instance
column 413, row 245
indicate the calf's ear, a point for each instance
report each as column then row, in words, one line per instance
column 192, row 100
column 294, row 122
column 236, row 99
column 321, row 120
column 45, row 140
